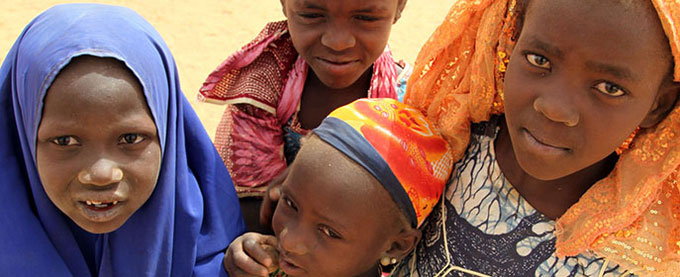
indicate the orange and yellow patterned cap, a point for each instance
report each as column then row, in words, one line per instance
column 398, row 146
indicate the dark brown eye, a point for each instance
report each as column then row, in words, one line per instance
column 290, row 203
column 65, row 141
column 610, row 89
column 538, row 61
column 367, row 18
column 310, row 15
column 329, row 232
column 131, row 139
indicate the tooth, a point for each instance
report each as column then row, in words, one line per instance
column 115, row 202
column 88, row 202
column 96, row 202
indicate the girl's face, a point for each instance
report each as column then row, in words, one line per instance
column 98, row 153
column 334, row 218
column 582, row 77
column 340, row 40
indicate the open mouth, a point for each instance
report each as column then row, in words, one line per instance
column 289, row 267
column 99, row 205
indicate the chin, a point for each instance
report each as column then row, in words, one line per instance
column 99, row 229
column 337, row 83
column 543, row 171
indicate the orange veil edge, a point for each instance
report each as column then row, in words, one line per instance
column 632, row 217
column 457, row 78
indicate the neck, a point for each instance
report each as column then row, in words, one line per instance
column 318, row 100
column 550, row 197
column 360, row 86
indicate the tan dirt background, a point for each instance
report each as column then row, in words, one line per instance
column 202, row 33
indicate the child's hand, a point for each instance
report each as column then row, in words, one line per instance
column 252, row 254
column 271, row 197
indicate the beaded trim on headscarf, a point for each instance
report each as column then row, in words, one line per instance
column 632, row 217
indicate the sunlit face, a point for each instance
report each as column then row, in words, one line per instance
column 582, row 77
column 334, row 218
column 340, row 40
column 98, row 153
column 579, row 83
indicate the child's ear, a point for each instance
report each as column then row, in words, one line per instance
column 665, row 101
column 400, row 8
column 404, row 243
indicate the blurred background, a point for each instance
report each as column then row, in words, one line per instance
column 202, row 33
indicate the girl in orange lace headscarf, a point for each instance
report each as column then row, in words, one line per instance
column 535, row 97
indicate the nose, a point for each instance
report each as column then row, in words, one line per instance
column 101, row 173
column 557, row 109
column 293, row 241
column 338, row 37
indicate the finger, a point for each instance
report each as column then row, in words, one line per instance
column 274, row 186
column 271, row 197
column 269, row 240
column 274, row 192
column 248, row 265
column 255, row 251
column 268, row 206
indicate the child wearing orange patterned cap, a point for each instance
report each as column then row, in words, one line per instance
column 563, row 119
column 363, row 183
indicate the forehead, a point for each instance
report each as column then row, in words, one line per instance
column 613, row 20
column 345, row 5
column 612, row 30
column 90, row 84
column 334, row 186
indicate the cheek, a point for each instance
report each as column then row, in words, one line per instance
column 607, row 135
column 519, row 88
column 350, row 260
column 303, row 38
column 376, row 40
column 144, row 172
column 55, row 174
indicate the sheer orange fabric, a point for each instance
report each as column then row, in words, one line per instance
column 631, row 217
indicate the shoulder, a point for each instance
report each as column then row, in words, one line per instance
column 254, row 75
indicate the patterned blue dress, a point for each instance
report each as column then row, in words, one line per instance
column 484, row 227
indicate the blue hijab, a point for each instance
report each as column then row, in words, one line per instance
column 193, row 213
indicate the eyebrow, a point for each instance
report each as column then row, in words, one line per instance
column 370, row 9
column 310, row 5
column 332, row 223
column 609, row 69
column 599, row 67
column 547, row 47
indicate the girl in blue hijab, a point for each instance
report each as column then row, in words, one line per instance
column 106, row 170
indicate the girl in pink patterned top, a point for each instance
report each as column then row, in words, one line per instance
column 282, row 84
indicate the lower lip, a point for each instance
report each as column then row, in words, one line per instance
column 337, row 68
column 99, row 214
column 540, row 147
column 289, row 268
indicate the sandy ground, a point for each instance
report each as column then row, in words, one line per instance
column 202, row 33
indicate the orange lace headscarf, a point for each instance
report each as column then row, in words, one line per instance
column 631, row 217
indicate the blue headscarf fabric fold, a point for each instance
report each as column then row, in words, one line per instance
column 193, row 213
